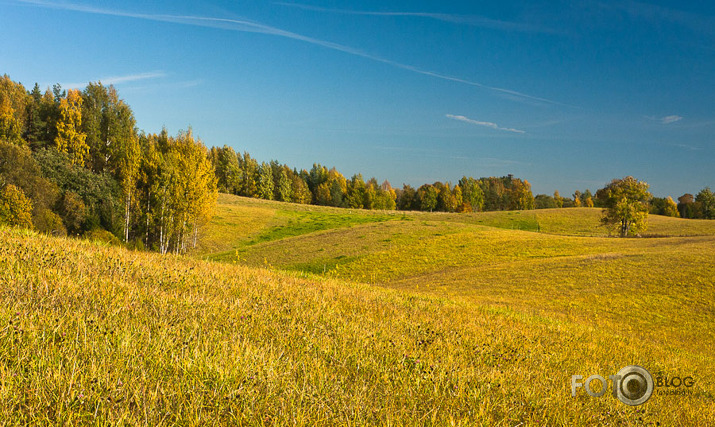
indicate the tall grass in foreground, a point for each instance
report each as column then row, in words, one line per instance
column 91, row 334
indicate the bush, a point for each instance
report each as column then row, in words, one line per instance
column 15, row 207
column 137, row 245
column 49, row 222
column 544, row 201
column 98, row 191
column 74, row 213
column 102, row 235
column 18, row 167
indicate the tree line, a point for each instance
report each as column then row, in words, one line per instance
column 240, row 174
column 700, row 206
column 73, row 162
column 627, row 202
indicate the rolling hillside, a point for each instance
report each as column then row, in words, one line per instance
column 555, row 264
column 240, row 222
column 320, row 316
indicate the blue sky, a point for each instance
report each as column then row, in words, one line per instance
column 565, row 94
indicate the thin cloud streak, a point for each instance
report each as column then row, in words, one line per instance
column 687, row 147
column 473, row 20
column 665, row 120
column 670, row 119
column 485, row 124
column 243, row 25
column 115, row 80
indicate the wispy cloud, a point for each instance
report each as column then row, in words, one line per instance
column 665, row 120
column 480, row 123
column 115, row 80
column 244, row 25
column 473, row 20
column 687, row 147
column 670, row 119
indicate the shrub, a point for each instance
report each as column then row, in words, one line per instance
column 15, row 207
column 102, row 235
column 49, row 222
column 74, row 213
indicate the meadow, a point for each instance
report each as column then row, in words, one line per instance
column 303, row 315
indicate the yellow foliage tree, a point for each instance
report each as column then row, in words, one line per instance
column 13, row 115
column 10, row 129
column 671, row 209
column 187, row 192
column 15, row 207
column 559, row 200
column 70, row 139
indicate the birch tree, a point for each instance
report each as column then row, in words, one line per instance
column 70, row 139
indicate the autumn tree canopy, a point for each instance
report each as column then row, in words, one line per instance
column 625, row 205
column 74, row 162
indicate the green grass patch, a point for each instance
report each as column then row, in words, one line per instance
column 297, row 223
column 242, row 222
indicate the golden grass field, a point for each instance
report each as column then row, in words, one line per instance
column 304, row 315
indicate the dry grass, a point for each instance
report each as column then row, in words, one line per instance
column 464, row 324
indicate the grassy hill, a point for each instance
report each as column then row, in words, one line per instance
column 359, row 318
column 241, row 222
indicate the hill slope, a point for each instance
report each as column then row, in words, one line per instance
column 484, row 326
column 241, row 222
column 99, row 334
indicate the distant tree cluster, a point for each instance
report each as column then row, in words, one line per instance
column 72, row 162
column 242, row 175
column 579, row 199
column 700, row 206
column 627, row 202
column 664, row 206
